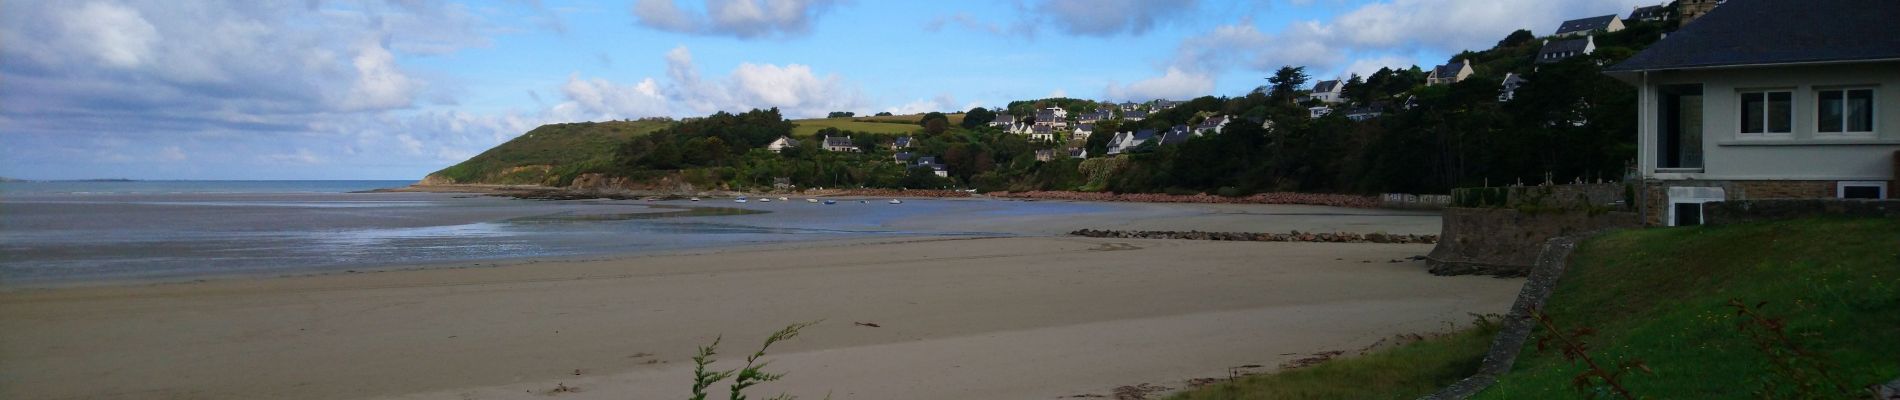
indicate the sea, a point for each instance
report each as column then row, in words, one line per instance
column 70, row 233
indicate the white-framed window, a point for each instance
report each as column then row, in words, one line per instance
column 1685, row 204
column 1767, row 113
column 1844, row 110
column 1875, row 190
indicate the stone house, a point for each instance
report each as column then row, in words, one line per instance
column 1735, row 108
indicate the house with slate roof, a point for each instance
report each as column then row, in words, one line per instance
column 1653, row 13
column 1562, row 49
column 1329, row 91
column 1449, row 73
column 839, row 143
column 1177, row 135
column 779, row 145
column 1212, row 125
column 1125, row 141
column 1508, row 89
column 1585, row 26
column 1734, row 107
column 1135, row 115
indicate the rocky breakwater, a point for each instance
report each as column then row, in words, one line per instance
column 1294, row 236
column 1315, row 199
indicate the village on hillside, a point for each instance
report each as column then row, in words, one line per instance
column 1065, row 131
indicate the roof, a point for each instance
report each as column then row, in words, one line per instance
column 1572, row 46
column 1762, row 32
column 1177, row 135
column 902, row 141
column 1085, row 126
column 1143, row 135
column 1326, row 86
column 1136, row 114
column 1513, row 78
column 1656, row 11
column 1448, row 70
column 901, row 156
column 1586, row 24
column 838, row 141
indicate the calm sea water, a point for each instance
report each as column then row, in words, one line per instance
column 64, row 233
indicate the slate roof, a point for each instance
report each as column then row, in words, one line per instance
column 902, row 142
column 838, row 141
column 1448, row 71
column 1085, row 127
column 1326, row 86
column 1649, row 12
column 1758, row 32
column 1135, row 114
column 1177, row 135
column 1573, row 46
column 1586, row 24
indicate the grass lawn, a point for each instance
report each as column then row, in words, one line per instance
column 810, row 127
column 1661, row 296
column 1404, row 372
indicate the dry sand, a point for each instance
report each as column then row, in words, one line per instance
column 990, row 318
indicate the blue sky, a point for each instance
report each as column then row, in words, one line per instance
column 395, row 89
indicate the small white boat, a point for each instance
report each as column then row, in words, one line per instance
column 782, row 198
column 811, row 200
column 765, row 200
column 739, row 200
column 831, row 202
column 896, row 201
column 695, row 199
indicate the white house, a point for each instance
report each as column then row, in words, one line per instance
column 779, row 145
column 1212, row 125
column 1734, row 107
column 1584, row 26
column 1042, row 133
column 1562, row 49
column 1125, row 141
column 839, row 143
column 1329, row 91
column 1053, row 117
column 1003, row 120
column 1318, row 111
column 1449, row 73
column 1508, row 90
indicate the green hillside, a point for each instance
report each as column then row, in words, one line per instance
column 1823, row 302
column 810, row 127
column 545, row 152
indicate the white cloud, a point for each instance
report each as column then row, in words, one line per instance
column 943, row 102
column 1111, row 17
column 380, row 84
column 736, row 18
column 172, row 154
column 115, row 34
column 794, row 89
column 1173, row 84
column 1366, row 66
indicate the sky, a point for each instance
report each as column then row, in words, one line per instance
column 396, row 89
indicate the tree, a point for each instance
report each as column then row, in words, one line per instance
column 1356, row 90
column 1517, row 37
column 978, row 117
column 1286, row 82
column 841, row 114
column 936, row 126
column 933, row 115
column 882, row 114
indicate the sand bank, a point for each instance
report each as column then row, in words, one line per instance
column 1020, row 317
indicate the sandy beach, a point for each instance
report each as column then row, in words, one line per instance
column 1030, row 315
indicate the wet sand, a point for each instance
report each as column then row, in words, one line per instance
column 1019, row 317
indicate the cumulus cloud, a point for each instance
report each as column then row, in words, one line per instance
column 140, row 84
column 1097, row 18
column 736, row 18
column 943, row 102
column 1173, row 84
column 794, row 89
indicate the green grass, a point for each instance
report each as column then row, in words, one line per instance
column 910, row 118
column 810, row 127
column 1661, row 296
column 547, row 152
column 1405, row 372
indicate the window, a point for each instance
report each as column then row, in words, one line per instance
column 1767, row 112
column 1861, row 190
column 1845, row 110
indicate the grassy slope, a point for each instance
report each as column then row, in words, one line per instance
column 553, row 145
column 809, row 127
column 1405, row 372
column 911, row 118
column 1661, row 295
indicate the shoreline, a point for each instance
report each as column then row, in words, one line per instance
column 556, row 193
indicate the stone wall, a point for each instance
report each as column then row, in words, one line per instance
column 1740, row 211
column 1505, row 242
column 1657, row 193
